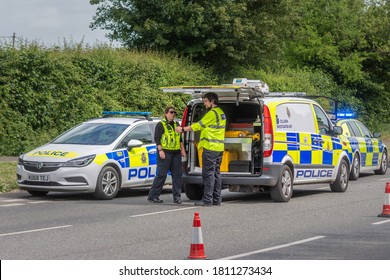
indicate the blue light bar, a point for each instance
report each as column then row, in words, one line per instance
column 345, row 115
column 126, row 113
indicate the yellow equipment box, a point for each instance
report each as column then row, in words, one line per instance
column 227, row 157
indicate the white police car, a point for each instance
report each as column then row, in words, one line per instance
column 99, row 156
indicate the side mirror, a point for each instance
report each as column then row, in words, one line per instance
column 337, row 130
column 133, row 143
column 377, row 134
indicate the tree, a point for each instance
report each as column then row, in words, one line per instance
column 329, row 35
column 218, row 33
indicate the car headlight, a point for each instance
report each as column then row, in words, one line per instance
column 20, row 160
column 80, row 162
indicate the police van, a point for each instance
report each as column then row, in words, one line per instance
column 273, row 141
column 99, row 156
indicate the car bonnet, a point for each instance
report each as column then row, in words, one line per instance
column 63, row 152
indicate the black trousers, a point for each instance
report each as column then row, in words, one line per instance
column 211, row 163
column 172, row 162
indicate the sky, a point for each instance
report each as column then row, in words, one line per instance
column 49, row 21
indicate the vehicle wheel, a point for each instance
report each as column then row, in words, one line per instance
column 384, row 162
column 37, row 193
column 107, row 184
column 355, row 171
column 283, row 190
column 193, row 191
column 341, row 183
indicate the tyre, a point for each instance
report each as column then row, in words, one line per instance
column 341, row 183
column 382, row 170
column 38, row 193
column 107, row 184
column 355, row 171
column 283, row 190
column 193, row 191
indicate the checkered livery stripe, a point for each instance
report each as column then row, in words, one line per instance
column 307, row 148
column 137, row 157
column 370, row 150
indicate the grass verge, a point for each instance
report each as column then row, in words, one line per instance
column 8, row 176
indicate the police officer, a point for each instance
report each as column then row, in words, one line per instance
column 170, row 149
column 212, row 136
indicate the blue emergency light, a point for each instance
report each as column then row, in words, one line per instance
column 346, row 115
column 126, row 113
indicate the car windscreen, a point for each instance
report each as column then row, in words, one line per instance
column 92, row 134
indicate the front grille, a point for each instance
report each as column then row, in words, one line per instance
column 41, row 167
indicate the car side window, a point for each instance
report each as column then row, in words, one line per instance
column 364, row 129
column 322, row 121
column 355, row 129
column 141, row 132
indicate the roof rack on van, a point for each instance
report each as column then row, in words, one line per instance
column 125, row 113
column 284, row 94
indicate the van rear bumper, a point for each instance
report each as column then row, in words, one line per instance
column 270, row 176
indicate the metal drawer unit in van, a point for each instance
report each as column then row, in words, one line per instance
column 285, row 140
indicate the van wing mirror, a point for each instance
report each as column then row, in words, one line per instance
column 377, row 134
column 133, row 143
column 337, row 130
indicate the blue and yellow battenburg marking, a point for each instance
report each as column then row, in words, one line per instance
column 51, row 153
column 138, row 161
column 137, row 157
column 370, row 150
column 307, row 148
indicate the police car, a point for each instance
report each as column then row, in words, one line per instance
column 98, row 156
column 273, row 141
column 365, row 150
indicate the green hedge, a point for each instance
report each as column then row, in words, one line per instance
column 45, row 91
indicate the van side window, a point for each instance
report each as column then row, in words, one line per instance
column 295, row 117
column 322, row 121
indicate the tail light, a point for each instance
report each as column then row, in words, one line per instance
column 268, row 143
column 184, row 119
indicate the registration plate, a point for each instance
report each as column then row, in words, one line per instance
column 39, row 178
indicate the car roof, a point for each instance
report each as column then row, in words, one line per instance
column 347, row 119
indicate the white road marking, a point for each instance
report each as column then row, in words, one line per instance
column 13, row 200
column 162, row 212
column 39, row 201
column 382, row 222
column 12, row 204
column 323, row 188
column 34, row 230
column 272, row 248
column 384, row 179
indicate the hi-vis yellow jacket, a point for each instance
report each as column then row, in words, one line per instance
column 212, row 127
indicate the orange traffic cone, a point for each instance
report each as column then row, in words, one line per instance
column 386, row 207
column 197, row 247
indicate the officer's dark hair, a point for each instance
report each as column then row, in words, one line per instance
column 211, row 96
column 169, row 108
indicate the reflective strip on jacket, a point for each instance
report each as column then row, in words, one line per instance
column 170, row 140
column 212, row 127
